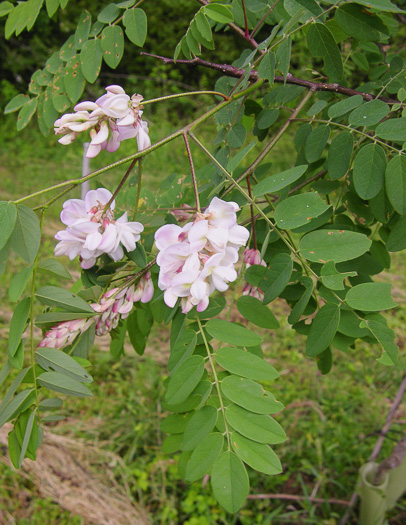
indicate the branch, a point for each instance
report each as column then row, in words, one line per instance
column 392, row 461
column 379, row 443
column 232, row 71
column 299, row 498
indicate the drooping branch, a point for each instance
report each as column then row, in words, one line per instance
column 232, row 71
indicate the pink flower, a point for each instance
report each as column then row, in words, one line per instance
column 199, row 258
column 112, row 118
column 251, row 257
column 92, row 231
column 64, row 333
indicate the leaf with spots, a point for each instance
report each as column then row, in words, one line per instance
column 112, row 45
column 90, row 60
column 74, row 79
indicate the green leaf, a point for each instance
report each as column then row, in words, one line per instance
column 325, row 361
column 266, row 68
column 349, row 325
column 18, row 283
column 369, row 171
column 60, row 99
column 5, row 8
column 51, row 359
column 112, row 45
column 229, row 481
column 257, row 313
column 135, row 23
column 377, row 325
column 199, row 426
column 236, row 136
column 50, row 403
column 218, row 13
column 203, row 25
column 267, row 117
column 54, row 267
column 395, row 182
column 8, row 217
column 175, row 423
column 302, row 303
column 33, row 9
column 258, row 427
column 397, row 237
column 108, row 14
column 370, row 297
column 344, row 106
column 90, row 60
column 62, row 383
column 26, row 235
column 368, row 114
column 49, row 319
column 333, row 279
column 258, row 456
column 17, row 325
column 359, row 23
column 381, row 5
column 73, row 79
column 323, row 329
column 16, row 103
column 235, row 161
column 339, row 155
column 321, row 44
column 4, row 372
column 182, row 349
column 279, row 181
column 26, row 113
column 203, row 456
column 27, row 435
column 333, row 245
column 276, row 276
column 184, row 379
column 49, row 113
column 13, row 448
column 245, row 364
column 316, row 143
column 393, row 129
column 283, row 57
column 298, row 210
column 249, row 395
column 54, row 296
column 232, row 333
column 17, row 405
column 52, row 7
column 82, row 29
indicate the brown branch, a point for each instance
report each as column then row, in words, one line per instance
column 232, row 71
column 317, row 176
column 379, row 443
column 392, row 461
column 333, row 501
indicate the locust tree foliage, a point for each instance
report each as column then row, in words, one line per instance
column 318, row 234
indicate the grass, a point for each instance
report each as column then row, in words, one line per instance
column 332, row 421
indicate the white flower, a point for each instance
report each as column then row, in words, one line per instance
column 199, row 258
column 112, row 118
column 92, row 230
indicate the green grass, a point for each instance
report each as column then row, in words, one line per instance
column 332, row 421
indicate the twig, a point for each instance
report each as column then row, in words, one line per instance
column 192, row 169
column 258, row 26
column 233, row 71
column 379, row 443
column 317, row 176
column 127, row 174
column 392, row 461
column 333, row 501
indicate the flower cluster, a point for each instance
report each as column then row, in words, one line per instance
column 198, row 258
column 64, row 333
column 114, row 305
column 92, row 231
column 112, row 118
column 251, row 257
column 117, row 304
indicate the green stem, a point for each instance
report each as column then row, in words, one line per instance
column 137, row 198
column 192, row 170
column 32, row 350
column 188, row 94
column 74, row 182
column 216, row 380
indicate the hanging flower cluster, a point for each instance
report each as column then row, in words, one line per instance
column 91, row 231
column 114, row 305
column 112, row 118
column 251, row 257
column 199, row 258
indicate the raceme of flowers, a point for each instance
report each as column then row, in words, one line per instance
column 112, row 118
column 251, row 257
column 91, row 231
column 198, row 258
column 114, row 305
